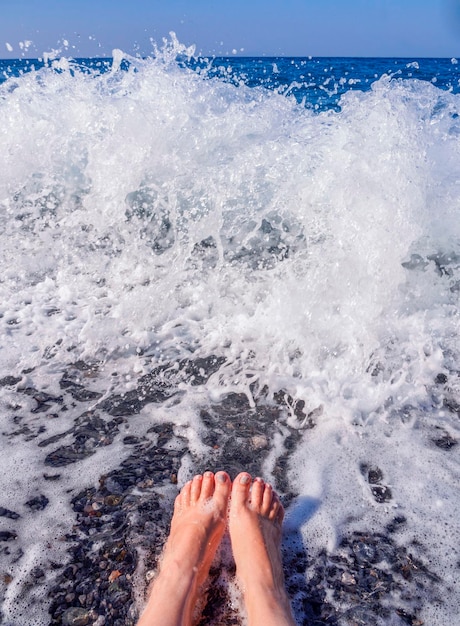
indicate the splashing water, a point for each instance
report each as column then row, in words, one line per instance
column 153, row 215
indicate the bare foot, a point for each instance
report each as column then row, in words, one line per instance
column 255, row 519
column 197, row 527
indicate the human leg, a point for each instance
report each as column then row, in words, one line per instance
column 255, row 519
column 197, row 527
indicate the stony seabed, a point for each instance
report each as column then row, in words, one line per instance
column 371, row 578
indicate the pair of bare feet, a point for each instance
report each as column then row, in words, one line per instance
column 255, row 516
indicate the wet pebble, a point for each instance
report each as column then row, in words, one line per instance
column 130, row 440
column 441, row 379
column 37, row 573
column 51, row 477
column 374, row 475
column 113, row 499
column 7, row 535
column 66, row 455
column 259, row 441
column 348, row 579
column 397, row 523
column 9, row 514
column 9, row 381
column 445, row 442
column 114, row 486
column 75, row 616
column 364, row 552
column 381, row 493
column 38, row 503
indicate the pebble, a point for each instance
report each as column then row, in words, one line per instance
column 7, row 381
column 259, row 442
column 75, row 616
column 348, row 579
column 9, row 514
column 445, row 442
column 38, row 504
column 7, row 535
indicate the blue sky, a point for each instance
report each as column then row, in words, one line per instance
column 407, row 28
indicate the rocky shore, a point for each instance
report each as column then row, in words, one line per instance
column 119, row 525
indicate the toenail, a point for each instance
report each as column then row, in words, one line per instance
column 208, row 474
column 244, row 479
column 221, row 477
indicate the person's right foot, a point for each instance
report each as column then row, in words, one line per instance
column 255, row 519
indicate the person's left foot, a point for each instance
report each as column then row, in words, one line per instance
column 255, row 519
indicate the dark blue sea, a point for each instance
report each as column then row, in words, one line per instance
column 316, row 83
column 230, row 263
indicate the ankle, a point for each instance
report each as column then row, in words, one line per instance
column 272, row 592
column 174, row 578
column 268, row 606
column 263, row 579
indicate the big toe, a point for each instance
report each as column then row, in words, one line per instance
column 240, row 490
column 222, row 486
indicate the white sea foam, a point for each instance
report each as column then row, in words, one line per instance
column 151, row 213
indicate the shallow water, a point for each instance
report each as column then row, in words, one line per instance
column 202, row 274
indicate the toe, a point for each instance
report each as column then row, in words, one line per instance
column 274, row 507
column 267, row 500
column 222, row 478
column 279, row 514
column 240, row 489
column 257, row 494
column 222, row 490
column 195, row 489
column 207, row 486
